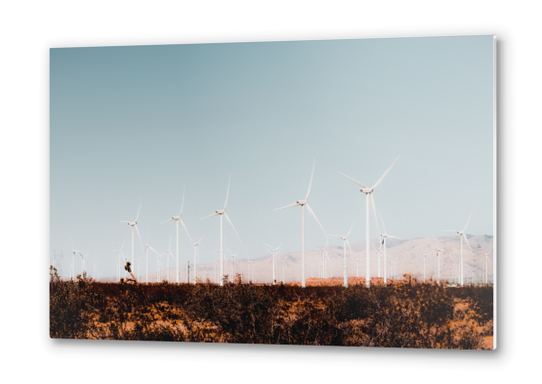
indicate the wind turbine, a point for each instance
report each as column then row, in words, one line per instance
column 345, row 243
column 83, row 262
column 304, row 203
column 369, row 197
column 385, row 237
column 461, row 237
column 133, row 224
column 324, row 255
column 120, row 253
column 74, row 251
column 195, row 245
column 439, row 250
column 146, row 250
column 178, row 219
column 168, row 255
column 222, row 213
column 486, row 256
column 274, row 252
column 158, row 267
column 424, row 258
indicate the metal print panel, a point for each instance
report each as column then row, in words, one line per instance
column 310, row 192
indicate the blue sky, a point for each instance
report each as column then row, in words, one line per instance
column 144, row 122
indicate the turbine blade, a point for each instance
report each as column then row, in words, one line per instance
column 385, row 173
column 350, row 231
column 124, row 221
column 199, row 241
column 167, row 221
column 350, row 249
column 185, row 229
column 169, row 247
column 355, row 181
column 139, row 236
column 315, row 218
column 73, row 245
column 206, row 217
column 182, row 204
column 374, row 212
column 279, row 246
column 139, row 210
column 122, row 246
column 152, row 249
column 287, row 206
column 229, row 221
column 310, row 182
column 383, row 225
column 466, row 225
column 268, row 246
column 227, row 193
column 466, row 241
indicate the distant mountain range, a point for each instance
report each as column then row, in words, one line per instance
column 409, row 256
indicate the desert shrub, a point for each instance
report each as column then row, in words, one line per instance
column 403, row 314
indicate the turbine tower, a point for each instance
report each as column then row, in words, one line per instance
column 168, row 255
column 345, row 243
column 83, row 262
column 133, row 224
column 178, row 219
column 439, row 250
column 486, row 256
column 304, row 203
column 274, row 252
column 120, row 253
column 195, row 245
column 146, row 250
column 74, row 251
column 385, row 237
column 222, row 213
column 369, row 198
column 461, row 237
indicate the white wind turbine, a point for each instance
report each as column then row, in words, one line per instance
column 304, row 203
column 121, row 254
column 369, row 197
column 146, row 251
column 385, row 237
column 158, row 267
column 486, row 256
column 222, row 213
column 83, row 262
column 324, row 255
column 461, row 237
column 195, row 245
column 178, row 219
column 133, row 224
column 74, row 251
column 168, row 255
column 274, row 252
column 424, row 258
column 345, row 243
column 439, row 251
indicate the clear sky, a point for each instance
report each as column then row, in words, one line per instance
column 144, row 122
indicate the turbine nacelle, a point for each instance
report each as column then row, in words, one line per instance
column 132, row 223
column 366, row 190
column 301, row 202
column 175, row 218
column 220, row 212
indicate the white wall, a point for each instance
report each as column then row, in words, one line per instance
column 29, row 29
